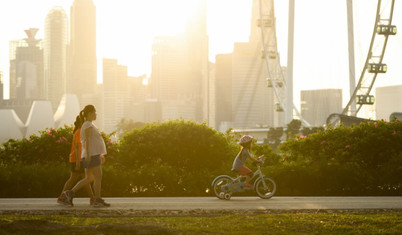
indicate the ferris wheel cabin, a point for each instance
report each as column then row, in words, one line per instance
column 386, row 29
column 377, row 68
column 365, row 99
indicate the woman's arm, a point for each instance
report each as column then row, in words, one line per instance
column 87, row 145
column 77, row 156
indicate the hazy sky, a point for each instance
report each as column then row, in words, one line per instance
column 125, row 31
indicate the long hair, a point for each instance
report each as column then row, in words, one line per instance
column 77, row 124
column 84, row 113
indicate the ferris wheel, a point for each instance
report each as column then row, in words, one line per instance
column 276, row 73
column 373, row 65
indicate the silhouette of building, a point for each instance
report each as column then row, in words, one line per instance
column 179, row 77
column 115, row 94
column 54, row 51
column 246, row 101
column 1, row 86
column 82, row 80
column 26, row 67
column 223, row 91
column 388, row 100
column 317, row 105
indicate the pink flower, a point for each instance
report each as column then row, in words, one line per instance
column 40, row 150
column 303, row 137
column 296, row 138
column 323, row 142
column 394, row 133
column 347, row 146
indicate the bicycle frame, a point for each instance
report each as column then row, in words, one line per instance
column 258, row 172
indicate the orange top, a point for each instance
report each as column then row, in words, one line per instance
column 76, row 140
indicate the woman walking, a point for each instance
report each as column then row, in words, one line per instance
column 93, row 149
column 76, row 168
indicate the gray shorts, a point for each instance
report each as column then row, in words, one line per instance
column 95, row 161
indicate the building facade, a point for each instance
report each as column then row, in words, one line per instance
column 82, row 49
column 26, row 67
column 55, row 55
column 388, row 100
column 115, row 94
column 180, row 72
column 317, row 105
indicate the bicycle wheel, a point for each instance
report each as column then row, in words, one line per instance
column 221, row 186
column 267, row 190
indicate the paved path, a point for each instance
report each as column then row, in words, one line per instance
column 208, row 203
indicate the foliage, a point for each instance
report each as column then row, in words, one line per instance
column 293, row 128
column 49, row 146
column 349, row 160
column 125, row 125
column 169, row 154
column 316, row 222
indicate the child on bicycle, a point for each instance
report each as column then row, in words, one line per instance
column 240, row 160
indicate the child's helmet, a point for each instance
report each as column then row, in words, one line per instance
column 245, row 139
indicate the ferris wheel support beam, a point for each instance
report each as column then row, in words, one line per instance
column 289, row 73
column 351, row 47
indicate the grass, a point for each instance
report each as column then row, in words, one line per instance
column 284, row 223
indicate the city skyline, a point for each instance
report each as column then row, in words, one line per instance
column 324, row 60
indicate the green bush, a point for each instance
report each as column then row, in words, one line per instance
column 361, row 159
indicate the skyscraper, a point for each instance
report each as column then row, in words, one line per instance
column 180, row 70
column 55, row 46
column 83, row 78
column 115, row 90
column 26, row 67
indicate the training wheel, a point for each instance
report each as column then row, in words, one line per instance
column 227, row 196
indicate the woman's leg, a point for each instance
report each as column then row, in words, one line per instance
column 88, row 179
column 97, row 173
column 74, row 176
column 88, row 189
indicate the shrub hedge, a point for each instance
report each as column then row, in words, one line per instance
column 181, row 158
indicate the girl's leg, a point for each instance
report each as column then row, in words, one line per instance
column 74, row 176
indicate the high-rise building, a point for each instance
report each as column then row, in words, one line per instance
column 317, row 105
column 253, row 102
column 179, row 77
column 83, row 78
column 115, row 94
column 223, row 90
column 54, row 51
column 388, row 100
column 26, row 67
column 1, row 86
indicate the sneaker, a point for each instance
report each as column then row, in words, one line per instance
column 69, row 196
column 91, row 201
column 62, row 200
column 99, row 202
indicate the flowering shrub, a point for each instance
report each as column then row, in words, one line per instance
column 355, row 159
column 49, row 146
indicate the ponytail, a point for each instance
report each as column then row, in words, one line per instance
column 78, row 123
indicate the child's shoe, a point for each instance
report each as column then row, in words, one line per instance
column 99, row 202
column 91, row 201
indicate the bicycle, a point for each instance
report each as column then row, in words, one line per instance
column 224, row 186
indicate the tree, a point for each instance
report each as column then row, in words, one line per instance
column 128, row 125
column 293, row 128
